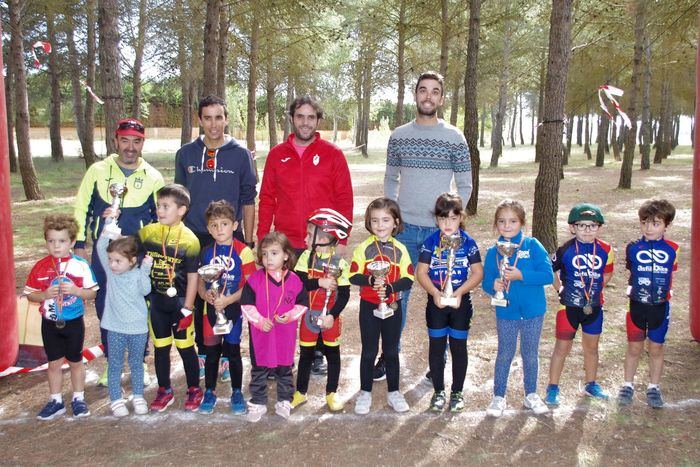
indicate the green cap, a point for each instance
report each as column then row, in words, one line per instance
column 586, row 212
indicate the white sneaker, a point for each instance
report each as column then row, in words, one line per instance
column 119, row 408
column 397, row 401
column 363, row 403
column 255, row 412
column 498, row 405
column 283, row 408
column 140, row 406
column 533, row 401
column 146, row 376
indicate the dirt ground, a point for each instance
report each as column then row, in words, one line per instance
column 580, row 432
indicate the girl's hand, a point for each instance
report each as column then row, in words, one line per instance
column 498, row 285
column 328, row 283
column 513, row 274
column 437, row 295
column 209, row 297
column 219, row 303
column 283, row 318
column 147, row 260
column 266, row 325
column 327, row 322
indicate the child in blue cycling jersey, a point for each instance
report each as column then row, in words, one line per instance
column 651, row 261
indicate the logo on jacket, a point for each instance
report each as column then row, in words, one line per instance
column 647, row 256
column 285, row 159
column 587, row 261
column 316, row 159
column 138, row 183
column 191, row 169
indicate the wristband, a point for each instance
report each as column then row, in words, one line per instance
column 185, row 311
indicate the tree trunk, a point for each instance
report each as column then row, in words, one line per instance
column 513, row 120
column 253, row 78
column 444, row 43
column 454, row 106
column 30, row 182
column 613, row 141
column 546, row 205
column 185, row 74
column 223, row 50
column 270, row 94
column 107, row 18
column 55, row 100
column 76, row 88
column 471, row 114
column 628, row 155
column 587, row 133
column 290, row 98
column 211, row 49
column 540, row 104
column 483, row 121
column 10, row 110
column 88, row 142
column 567, row 148
column 138, row 59
column 497, row 131
column 676, row 131
column 532, row 125
column 520, row 120
column 645, row 148
column 366, row 98
column 400, row 74
column 602, row 139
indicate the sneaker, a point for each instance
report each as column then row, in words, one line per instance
column 319, row 366
column 437, row 402
column 283, row 409
column 497, row 406
column 118, row 408
column 224, row 372
column 102, row 380
column 237, row 402
column 298, row 399
column 552, row 397
column 334, row 402
column 534, row 403
column 164, row 399
column 625, row 396
column 379, row 373
column 256, row 411
column 79, row 408
column 456, row 402
column 194, row 398
column 146, row 376
column 654, row 398
column 397, row 401
column 52, row 410
column 208, row 402
column 594, row 390
column 202, row 359
column 363, row 403
column 140, row 406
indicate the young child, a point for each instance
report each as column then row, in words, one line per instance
column 239, row 264
column 382, row 221
column 448, row 320
column 529, row 271
column 273, row 300
column 174, row 279
column 125, row 317
column 325, row 228
column 585, row 265
column 651, row 261
column 61, row 282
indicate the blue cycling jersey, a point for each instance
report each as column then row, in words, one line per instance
column 651, row 264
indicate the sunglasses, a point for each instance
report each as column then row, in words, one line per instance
column 130, row 124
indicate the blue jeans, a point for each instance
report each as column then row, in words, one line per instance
column 133, row 345
column 412, row 238
column 508, row 330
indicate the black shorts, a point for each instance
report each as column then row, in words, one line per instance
column 569, row 319
column 66, row 342
column 163, row 317
column 454, row 322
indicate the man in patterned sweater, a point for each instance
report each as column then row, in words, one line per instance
column 423, row 158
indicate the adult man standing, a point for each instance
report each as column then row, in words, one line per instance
column 301, row 175
column 423, row 158
column 215, row 167
column 93, row 203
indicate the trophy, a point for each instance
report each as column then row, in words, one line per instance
column 117, row 190
column 505, row 249
column 211, row 274
column 379, row 270
column 331, row 269
column 452, row 243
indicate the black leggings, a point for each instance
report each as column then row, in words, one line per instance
column 306, row 359
column 436, row 358
column 211, row 365
column 371, row 328
column 189, row 361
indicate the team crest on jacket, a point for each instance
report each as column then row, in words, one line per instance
column 138, row 183
column 316, row 159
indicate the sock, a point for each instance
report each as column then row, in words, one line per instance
column 79, row 395
column 629, row 384
column 553, row 386
column 57, row 398
column 652, row 386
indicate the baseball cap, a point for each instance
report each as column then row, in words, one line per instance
column 130, row 127
column 586, row 212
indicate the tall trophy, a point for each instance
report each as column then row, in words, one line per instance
column 333, row 270
column 211, row 273
column 117, row 190
column 452, row 244
column 505, row 249
column 379, row 270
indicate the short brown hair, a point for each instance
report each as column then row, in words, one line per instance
column 282, row 240
column 220, row 209
column 447, row 203
column 177, row 192
column 432, row 75
column 389, row 205
column 304, row 100
column 513, row 205
column 129, row 247
column 61, row 222
column 653, row 208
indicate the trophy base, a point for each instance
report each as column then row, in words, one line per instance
column 448, row 301
column 499, row 302
column 112, row 231
column 223, row 328
column 383, row 312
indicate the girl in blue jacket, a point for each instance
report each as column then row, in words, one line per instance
column 523, row 283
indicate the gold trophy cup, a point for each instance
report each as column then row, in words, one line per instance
column 211, row 273
column 505, row 249
column 452, row 243
column 379, row 270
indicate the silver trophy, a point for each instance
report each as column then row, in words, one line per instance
column 211, row 273
column 379, row 270
column 505, row 249
column 117, row 190
column 452, row 244
column 330, row 269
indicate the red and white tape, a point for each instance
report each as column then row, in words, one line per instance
column 89, row 354
column 43, row 45
column 610, row 92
